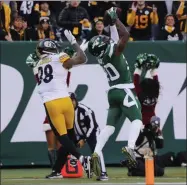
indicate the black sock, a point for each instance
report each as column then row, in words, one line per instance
column 72, row 136
column 52, row 157
column 69, row 146
column 62, row 155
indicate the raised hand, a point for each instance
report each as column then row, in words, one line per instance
column 70, row 37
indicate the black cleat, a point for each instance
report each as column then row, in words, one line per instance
column 54, row 175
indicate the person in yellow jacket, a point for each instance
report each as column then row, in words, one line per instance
column 182, row 16
column 5, row 19
column 140, row 18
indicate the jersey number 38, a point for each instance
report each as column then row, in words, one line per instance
column 45, row 74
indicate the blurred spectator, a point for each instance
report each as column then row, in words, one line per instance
column 28, row 10
column 98, row 8
column 43, row 31
column 5, row 21
column 70, row 17
column 55, row 8
column 17, row 30
column 181, row 14
column 169, row 31
column 141, row 17
column 98, row 28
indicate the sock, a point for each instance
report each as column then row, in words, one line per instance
column 71, row 135
column 103, row 168
column 103, row 138
column 81, row 159
column 135, row 128
column 61, row 159
column 52, row 157
column 69, row 146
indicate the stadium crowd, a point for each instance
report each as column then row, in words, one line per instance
column 35, row 20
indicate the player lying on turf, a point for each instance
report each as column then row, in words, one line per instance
column 52, row 71
column 121, row 95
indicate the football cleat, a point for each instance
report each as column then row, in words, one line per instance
column 87, row 166
column 96, row 168
column 54, row 175
column 130, row 153
column 103, row 177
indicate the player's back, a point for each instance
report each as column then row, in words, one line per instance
column 52, row 77
column 116, row 67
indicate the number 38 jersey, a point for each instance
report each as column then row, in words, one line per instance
column 116, row 68
column 52, row 77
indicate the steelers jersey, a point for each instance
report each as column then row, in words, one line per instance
column 141, row 30
column 52, row 77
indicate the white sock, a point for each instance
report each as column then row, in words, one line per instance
column 81, row 158
column 103, row 168
column 135, row 128
column 103, row 138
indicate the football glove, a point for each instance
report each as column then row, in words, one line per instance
column 70, row 51
column 70, row 37
column 112, row 14
column 140, row 60
column 32, row 60
column 152, row 62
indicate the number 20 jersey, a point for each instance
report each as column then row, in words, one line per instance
column 116, row 68
column 52, row 77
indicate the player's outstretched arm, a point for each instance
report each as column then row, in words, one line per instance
column 124, row 37
column 80, row 56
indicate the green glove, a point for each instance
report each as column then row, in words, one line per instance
column 69, row 50
column 152, row 62
column 112, row 14
column 140, row 60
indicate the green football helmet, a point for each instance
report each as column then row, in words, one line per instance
column 147, row 61
column 98, row 45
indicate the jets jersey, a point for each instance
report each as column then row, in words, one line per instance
column 116, row 68
column 52, row 77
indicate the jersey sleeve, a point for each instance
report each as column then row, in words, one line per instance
column 63, row 57
column 111, row 50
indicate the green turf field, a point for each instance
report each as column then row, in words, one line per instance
column 116, row 175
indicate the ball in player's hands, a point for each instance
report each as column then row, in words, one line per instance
column 107, row 18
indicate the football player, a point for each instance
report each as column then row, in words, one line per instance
column 52, row 70
column 52, row 143
column 147, row 89
column 121, row 95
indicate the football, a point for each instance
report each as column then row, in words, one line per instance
column 107, row 18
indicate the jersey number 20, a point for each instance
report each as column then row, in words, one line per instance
column 45, row 74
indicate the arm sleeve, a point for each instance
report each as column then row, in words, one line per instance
column 131, row 15
column 136, row 79
column 154, row 18
column 64, row 57
column 114, row 33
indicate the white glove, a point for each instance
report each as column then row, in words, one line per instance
column 30, row 61
column 70, row 37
